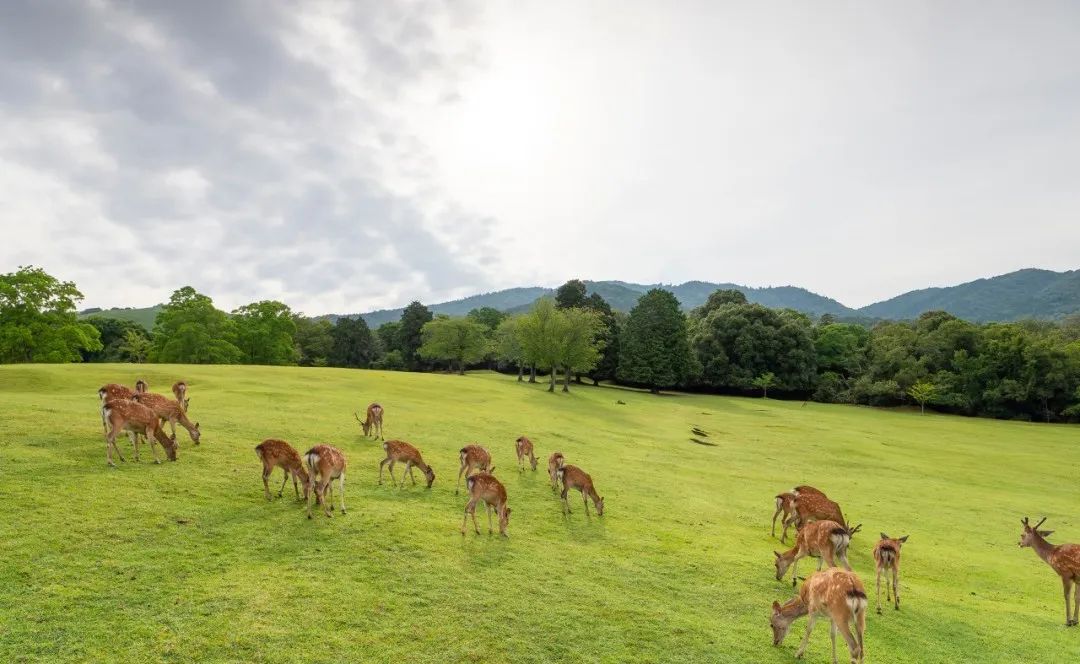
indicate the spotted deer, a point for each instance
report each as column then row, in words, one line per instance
column 113, row 391
column 524, row 448
column 484, row 487
column 815, row 507
column 887, row 561
column 276, row 453
column 325, row 463
column 372, row 421
column 573, row 477
column 473, row 457
column 179, row 390
column 827, row 541
column 1062, row 558
column 555, row 462
column 170, row 411
column 135, row 418
column 785, row 504
column 399, row 450
column 834, row 593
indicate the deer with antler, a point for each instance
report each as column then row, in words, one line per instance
column 887, row 562
column 473, row 457
column 555, row 462
column 399, row 450
column 524, row 448
column 834, row 593
column 828, row 541
column 170, row 411
column 372, row 421
column 136, row 419
column 1062, row 558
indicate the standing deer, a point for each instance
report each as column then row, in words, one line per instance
column 835, row 593
column 170, row 411
column 473, row 457
column 1063, row 558
column 828, row 541
column 373, row 421
column 276, row 453
column 887, row 560
column 785, row 504
column 524, row 448
column 113, row 391
column 575, row 478
column 179, row 389
column 484, row 487
column 135, row 418
column 815, row 507
column 399, row 450
column 555, row 462
column 325, row 464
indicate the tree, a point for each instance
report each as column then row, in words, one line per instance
column 607, row 338
column 265, row 333
column 720, row 298
column 410, row 337
column 764, row 382
column 38, row 322
column 489, row 317
column 508, row 344
column 389, row 337
column 454, row 340
column 135, row 346
column 922, row 392
column 537, row 337
column 653, row 346
column 576, row 345
column 571, row 295
column 114, row 332
column 314, row 341
column 354, row 345
column 189, row 330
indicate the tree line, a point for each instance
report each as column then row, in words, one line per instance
column 1024, row 370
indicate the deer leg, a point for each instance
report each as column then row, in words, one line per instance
column 585, row 499
column 488, row 510
column 1076, row 606
column 788, row 522
column 172, row 427
column 153, row 448
column 408, row 467
column 879, row 590
column 284, row 479
column 458, row 484
column 472, row 511
column 110, row 445
column 806, row 637
column 391, row 468
column 888, row 586
column 854, row 647
column 566, row 504
column 1067, row 584
column 296, row 486
column 341, row 488
column 775, row 514
column 896, row 587
column 832, row 638
column 381, row 464
column 465, row 518
column 266, row 482
column 135, row 442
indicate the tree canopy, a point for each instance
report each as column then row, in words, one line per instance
column 455, row 340
column 654, row 350
column 410, row 336
column 264, row 333
column 38, row 321
column 190, row 330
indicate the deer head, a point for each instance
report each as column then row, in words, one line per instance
column 1032, row 533
column 780, row 623
column 600, row 507
column 195, row 433
column 504, row 520
column 782, row 563
column 363, row 423
column 430, row 474
column 141, row 386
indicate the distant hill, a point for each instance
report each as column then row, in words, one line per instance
column 1023, row 294
column 144, row 316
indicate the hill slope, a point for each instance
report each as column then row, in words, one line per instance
column 143, row 316
column 187, row 561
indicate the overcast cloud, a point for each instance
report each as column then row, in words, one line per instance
column 348, row 156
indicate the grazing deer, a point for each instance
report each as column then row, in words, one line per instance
column 399, row 450
column 1063, row 558
column 276, row 453
column 887, row 560
column 179, row 389
column 575, row 478
column 325, row 464
column 828, row 541
column 473, row 457
column 170, row 411
column 555, row 462
column 484, row 487
column 835, row 593
column 373, row 421
column 110, row 392
column 524, row 448
column 135, row 418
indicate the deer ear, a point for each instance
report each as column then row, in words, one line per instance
column 884, row 536
column 904, row 538
column 776, row 606
column 776, row 553
column 1046, row 533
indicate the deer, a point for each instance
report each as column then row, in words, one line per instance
column 887, row 561
column 399, row 450
column 276, row 453
column 484, row 487
column 111, row 391
column 179, row 390
column 373, row 421
column 573, row 477
column 124, row 414
column 785, row 503
column 835, row 593
column 524, row 448
column 1063, row 559
column 828, row 541
column 815, row 507
column 473, row 457
column 555, row 462
column 325, row 463
column 170, row 411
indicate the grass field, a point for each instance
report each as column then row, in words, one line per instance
column 187, row 561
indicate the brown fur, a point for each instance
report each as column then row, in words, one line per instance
column 276, row 453
column 1064, row 559
column 473, row 457
column 887, row 561
column 555, row 462
column 124, row 414
column 785, row 504
column 179, row 390
column 372, row 421
column 524, row 448
column 575, row 478
column 170, row 411
column 835, row 593
column 399, row 450
column 826, row 540
column 484, row 487
column 326, row 463
column 816, row 507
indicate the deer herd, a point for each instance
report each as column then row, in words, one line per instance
column 821, row 531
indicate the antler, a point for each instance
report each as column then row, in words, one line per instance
column 357, row 416
column 1024, row 521
column 1039, row 524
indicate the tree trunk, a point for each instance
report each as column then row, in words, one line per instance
column 551, row 384
column 577, row 378
column 461, row 367
column 521, row 372
column 532, row 373
column 922, row 408
column 566, row 380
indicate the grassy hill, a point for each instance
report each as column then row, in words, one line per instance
column 144, row 316
column 186, row 561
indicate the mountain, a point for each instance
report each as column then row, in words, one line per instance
column 144, row 316
column 1022, row 294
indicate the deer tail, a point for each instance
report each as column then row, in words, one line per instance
column 856, row 601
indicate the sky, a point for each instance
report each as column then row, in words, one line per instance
column 349, row 156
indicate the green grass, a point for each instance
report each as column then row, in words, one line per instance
column 187, row 562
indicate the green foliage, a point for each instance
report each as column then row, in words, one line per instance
column 388, row 336
column 570, row 295
column 764, row 382
column 719, row 298
column 607, row 339
column 115, row 343
column 537, row 334
column 410, row 333
column 459, row 340
column 488, row 317
column 264, row 333
column 135, row 347
column 314, row 341
column 576, row 346
column 38, row 320
column 508, row 344
column 353, row 343
column 653, row 346
column 922, row 392
column 189, row 330
column 391, row 361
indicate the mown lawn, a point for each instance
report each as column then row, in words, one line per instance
column 187, row 561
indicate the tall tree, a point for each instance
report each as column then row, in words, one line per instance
column 607, row 338
column 508, row 344
column 410, row 336
column 38, row 322
column 265, row 333
column 314, row 340
column 189, row 330
column 354, row 345
column 457, row 340
column 577, row 347
column 538, row 333
column 571, row 295
column 653, row 346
